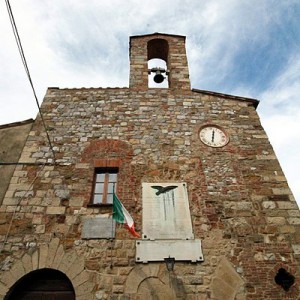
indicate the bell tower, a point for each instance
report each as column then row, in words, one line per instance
column 168, row 48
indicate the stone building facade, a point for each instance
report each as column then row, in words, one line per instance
column 12, row 139
column 228, row 217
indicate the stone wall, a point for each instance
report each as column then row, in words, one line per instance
column 12, row 140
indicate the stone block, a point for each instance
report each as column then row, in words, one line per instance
column 82, row 166
column 80, row 279
column 281, row 191
column 43, row 255
column 294, row 221
column 37, row 219
column 58, row 256
column 296, row 249
column 76, row 268
column 27, row 263
column 118, row 289
column 286, row 205
column 294, row 213
column 286, row 229
column 226, row 281
column 85, row 289
column 53, row 245
column 11, row 201
column 40, row 229
column 3, row 290
column 67, row 261
column 38, row 209
column 221, row 290
column 61, row 228
column 62, row 193
column 18, row 270
column 58, row 210
column 276, row 220
column 243, row 205
column 125, row 270
column 269, row 204
column 9, row 194
column 71, row 220
column 76, row 201
column 35, row 260
column 8, row 279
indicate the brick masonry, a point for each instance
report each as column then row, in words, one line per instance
column 241, row 206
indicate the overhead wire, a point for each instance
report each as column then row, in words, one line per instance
column 22, row 54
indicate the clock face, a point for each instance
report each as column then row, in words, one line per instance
column 213, row 136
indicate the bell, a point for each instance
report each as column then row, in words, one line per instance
column 158, row 77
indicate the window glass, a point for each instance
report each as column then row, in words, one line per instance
column 100, row 177
column 97, row 199
column 109, row 198
column 111, row 187
column 113, row 177
column 99, row 188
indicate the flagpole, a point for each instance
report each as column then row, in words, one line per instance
column 112, row 230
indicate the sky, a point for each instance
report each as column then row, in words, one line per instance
column 238, row 47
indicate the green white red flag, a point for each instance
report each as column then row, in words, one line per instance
column 121, row 215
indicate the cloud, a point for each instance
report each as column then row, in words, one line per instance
column 240, row 44
column 280, row 115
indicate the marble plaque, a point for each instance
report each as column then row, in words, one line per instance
column 98, row 228
column 158, row 250
column 166, row 213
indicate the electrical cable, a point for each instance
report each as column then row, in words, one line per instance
column 21, row 51
column 25, row 164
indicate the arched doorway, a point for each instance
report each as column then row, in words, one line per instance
column 44, row 284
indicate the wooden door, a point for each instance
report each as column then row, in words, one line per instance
column 45, row 284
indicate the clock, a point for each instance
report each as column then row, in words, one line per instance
column 213, row 136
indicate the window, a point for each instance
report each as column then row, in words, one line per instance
column 105, row 182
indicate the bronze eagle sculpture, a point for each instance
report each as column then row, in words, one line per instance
column 161, row 190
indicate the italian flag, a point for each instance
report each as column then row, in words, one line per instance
column 121, row 215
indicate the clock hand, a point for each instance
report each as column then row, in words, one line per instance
column 213, row 136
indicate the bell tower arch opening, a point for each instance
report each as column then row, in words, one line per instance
column 42, row 284
column 157, row 55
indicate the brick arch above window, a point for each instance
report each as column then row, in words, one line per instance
column 107, row 153
column 108, row 156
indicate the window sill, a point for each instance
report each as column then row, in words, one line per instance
column 100, row 205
